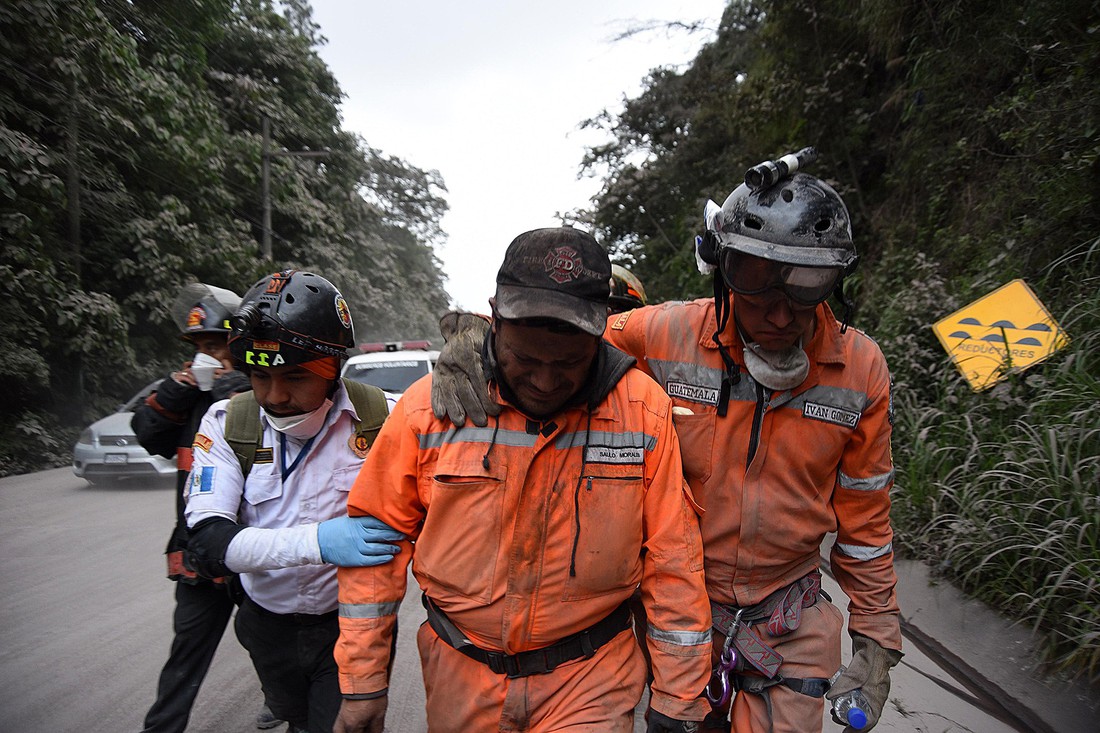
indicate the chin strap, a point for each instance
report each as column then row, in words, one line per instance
column 722, row 310
column 849, row 306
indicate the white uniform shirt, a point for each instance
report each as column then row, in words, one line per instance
column 278, row 556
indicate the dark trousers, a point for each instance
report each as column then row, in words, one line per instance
column 202, row 613
column 292, row 654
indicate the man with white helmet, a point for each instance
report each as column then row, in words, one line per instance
column 784, row 418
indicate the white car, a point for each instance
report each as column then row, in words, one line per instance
column 391, row 366
column 107, row 450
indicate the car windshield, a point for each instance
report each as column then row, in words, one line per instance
column 391, row 376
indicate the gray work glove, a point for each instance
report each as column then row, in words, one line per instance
column 869, row 671
column 459, row 385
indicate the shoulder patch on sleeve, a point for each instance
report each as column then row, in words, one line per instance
column 202, row 481
column 620, row 321
column 203, row 442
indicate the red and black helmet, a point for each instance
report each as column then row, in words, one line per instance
column 626, row 290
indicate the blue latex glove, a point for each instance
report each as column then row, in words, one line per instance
column 357, row 542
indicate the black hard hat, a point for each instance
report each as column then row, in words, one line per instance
column 291, row 317
column 799, row 220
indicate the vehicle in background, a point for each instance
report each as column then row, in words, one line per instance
column 391, row 366
column 107, row 450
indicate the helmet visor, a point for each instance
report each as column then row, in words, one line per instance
column 751, row 275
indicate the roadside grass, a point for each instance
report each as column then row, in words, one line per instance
column 1000, row 491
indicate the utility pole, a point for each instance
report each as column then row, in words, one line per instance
column 267, row 154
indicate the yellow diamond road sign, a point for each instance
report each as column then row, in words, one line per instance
column 1009, row 329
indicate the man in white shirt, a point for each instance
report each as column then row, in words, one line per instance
column 273, row 508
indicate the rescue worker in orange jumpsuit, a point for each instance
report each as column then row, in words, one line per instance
column 529, row 537
column 784, row 416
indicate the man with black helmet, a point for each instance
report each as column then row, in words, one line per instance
column 267, row 497
column 165, row 425
column 783, row 415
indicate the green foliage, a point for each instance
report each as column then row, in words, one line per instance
column 130, row 163
column 965, row 138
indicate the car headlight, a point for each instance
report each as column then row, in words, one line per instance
column 86, row 437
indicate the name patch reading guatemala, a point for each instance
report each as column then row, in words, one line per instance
column 629, row 455
column 692, row 392
column 202, row 481
column 828, row 413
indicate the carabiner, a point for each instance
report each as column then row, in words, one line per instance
column 727, row 660
column 722, row 698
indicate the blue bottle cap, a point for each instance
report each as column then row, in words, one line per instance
column 857, row 718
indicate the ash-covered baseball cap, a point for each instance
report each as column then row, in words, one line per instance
column 561, row 273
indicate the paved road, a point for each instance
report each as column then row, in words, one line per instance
column 85, row 615
column 85, row 623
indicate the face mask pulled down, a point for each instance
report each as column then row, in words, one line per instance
column 777, row 370
column 301, row 427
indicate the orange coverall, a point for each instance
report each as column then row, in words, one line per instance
column 776, row 474
column 524, row 533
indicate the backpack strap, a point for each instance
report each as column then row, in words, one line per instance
column 244, row 434
column 242, row 428
column 371, row 407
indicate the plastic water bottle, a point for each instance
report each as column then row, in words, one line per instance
column 852, row 708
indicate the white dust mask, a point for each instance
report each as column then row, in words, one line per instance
column 778, row 370
column 203, row 367
column 301, row 427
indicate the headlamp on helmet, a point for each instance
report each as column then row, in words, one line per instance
column 291, row 317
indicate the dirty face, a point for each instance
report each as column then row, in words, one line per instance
column 544, row 367
column 772, row 320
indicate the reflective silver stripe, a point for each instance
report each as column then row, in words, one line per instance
column 678, row 638
column 369, row 610
column 628, row 439
column 839, row 397
column 697, row 383
column 859, row 552
column 871, row 483
column 514, row 438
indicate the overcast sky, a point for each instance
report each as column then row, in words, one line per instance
column 491, row 94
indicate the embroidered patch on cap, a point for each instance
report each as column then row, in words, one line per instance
column 202, row 481
column 203, row 442
column 195, row 318
column 828, row 413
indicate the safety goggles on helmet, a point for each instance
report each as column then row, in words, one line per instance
column 751, row 275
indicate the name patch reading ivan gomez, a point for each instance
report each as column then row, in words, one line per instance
column 828, row 413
